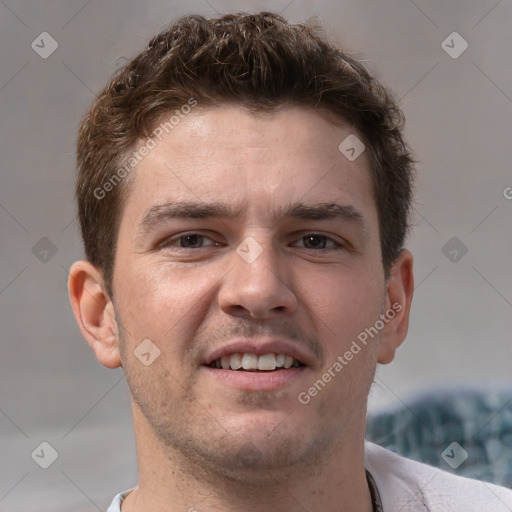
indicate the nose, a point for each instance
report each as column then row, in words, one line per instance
column 257, row 284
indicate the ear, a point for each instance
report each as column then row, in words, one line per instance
column 399, row 292
column 94, row 312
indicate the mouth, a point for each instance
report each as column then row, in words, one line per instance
column 250, row 362
column 263, row 364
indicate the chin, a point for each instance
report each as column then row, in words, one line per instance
column 256, row 449
column 249, row 461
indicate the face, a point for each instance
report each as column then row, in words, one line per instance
column 249, row 239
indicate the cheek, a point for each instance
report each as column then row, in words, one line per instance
column 342, row 305
column 162, row 302
column 343, row 308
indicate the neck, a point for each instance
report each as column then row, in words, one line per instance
column 169, row 481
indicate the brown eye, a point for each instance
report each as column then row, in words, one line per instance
column 192, row 241
column 314, row 241
column 317, row 241
column 187, row 241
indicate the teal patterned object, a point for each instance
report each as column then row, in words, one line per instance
column 479, row 421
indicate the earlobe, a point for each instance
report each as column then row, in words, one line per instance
column 399, row 293
column 94, row 312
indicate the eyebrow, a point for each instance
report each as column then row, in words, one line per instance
column 159, row 214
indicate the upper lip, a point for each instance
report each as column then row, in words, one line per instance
column 260, row 347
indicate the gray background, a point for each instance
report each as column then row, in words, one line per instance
column 459, row 123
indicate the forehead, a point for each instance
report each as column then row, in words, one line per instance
column 257, row 161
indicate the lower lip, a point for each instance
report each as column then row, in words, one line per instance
column 256, row 381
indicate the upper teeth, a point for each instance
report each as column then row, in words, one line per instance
column 249, row 361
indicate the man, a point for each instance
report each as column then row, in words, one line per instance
column 243, row 195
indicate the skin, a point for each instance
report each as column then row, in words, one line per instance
column 203, row 443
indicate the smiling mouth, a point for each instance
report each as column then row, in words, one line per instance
column 254, row 363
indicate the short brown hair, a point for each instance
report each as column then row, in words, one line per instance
column 258, row 61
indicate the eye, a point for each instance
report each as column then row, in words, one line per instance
column 316, row 241
column 188, row 241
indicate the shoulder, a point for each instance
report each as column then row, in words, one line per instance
column 411, row 486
